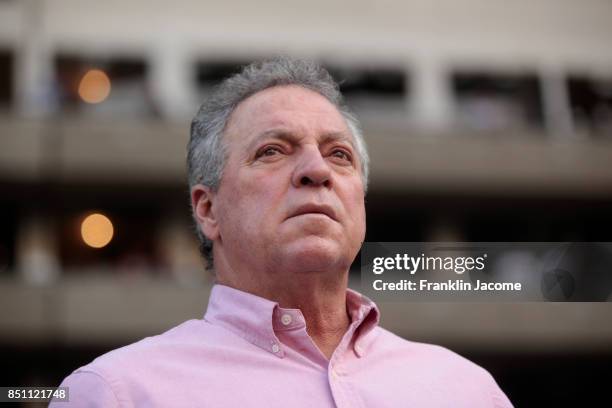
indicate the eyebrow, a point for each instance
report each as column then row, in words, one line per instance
column 290, row 137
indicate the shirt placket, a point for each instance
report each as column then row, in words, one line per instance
column 343, row 392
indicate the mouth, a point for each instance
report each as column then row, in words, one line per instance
column 314, row 209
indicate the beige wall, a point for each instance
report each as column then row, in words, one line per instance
column 571, row 32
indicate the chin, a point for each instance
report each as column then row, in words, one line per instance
column 315, row 254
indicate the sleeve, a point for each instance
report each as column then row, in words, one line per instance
column 87, row 389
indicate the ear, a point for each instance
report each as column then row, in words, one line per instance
column 202, row 203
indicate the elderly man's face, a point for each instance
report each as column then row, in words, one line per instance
column 291, row 193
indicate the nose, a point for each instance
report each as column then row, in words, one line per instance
column 311, row 169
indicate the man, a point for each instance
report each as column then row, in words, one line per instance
column 278, row 172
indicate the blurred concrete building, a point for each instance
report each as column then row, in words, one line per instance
column 486, row 121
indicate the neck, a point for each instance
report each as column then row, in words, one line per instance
column 323, row 307
column 320, row 296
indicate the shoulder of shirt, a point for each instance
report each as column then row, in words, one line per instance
column 115, row 372
column 144, row 351
column 431, row 354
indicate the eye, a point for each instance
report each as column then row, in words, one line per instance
column 342, row 155
column 268, row 151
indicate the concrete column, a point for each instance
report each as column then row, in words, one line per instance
column 179, row 250
column 37, row 258
column 556, row 104
column 34, row 72
column 170, row 76
column 431, row 95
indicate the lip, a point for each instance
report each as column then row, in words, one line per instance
column 314, row 209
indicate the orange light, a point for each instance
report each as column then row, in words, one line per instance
column 95, row 86
column 97, row 230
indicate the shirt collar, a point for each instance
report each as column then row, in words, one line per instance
column 366, row 314
column 257, row 319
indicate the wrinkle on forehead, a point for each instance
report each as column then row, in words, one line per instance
column 288, row 108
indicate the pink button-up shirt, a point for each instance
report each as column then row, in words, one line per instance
column 249, row 352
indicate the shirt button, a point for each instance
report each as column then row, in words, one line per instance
column 275, row 348
column 337, row 373
column 286, row 319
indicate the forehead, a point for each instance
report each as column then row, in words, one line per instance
column 291, row 108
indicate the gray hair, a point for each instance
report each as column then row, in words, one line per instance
column 206, row 152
